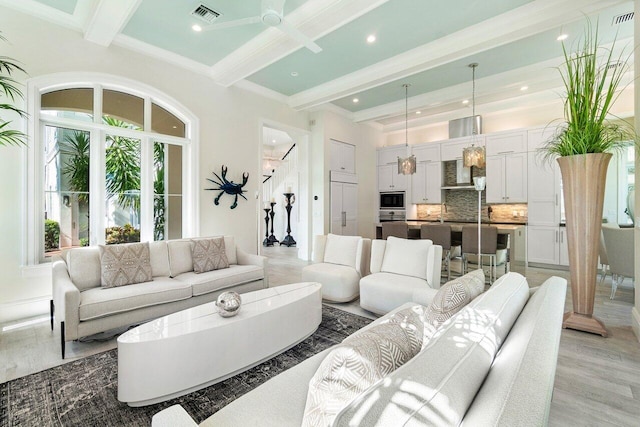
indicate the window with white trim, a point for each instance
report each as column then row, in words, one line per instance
column 113, row 168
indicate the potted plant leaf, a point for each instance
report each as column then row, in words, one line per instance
column 592, row 76
column 10, row 91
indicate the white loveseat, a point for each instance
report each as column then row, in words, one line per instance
column 83, row 307
column 492, row 364
column 400, row 268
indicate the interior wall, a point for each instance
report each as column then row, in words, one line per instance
column 229, row 134
column 328, row 126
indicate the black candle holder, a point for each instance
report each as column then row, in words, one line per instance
column 266, row 241
column 289, row 240
column 271, row 237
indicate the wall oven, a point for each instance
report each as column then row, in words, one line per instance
column 392, row 200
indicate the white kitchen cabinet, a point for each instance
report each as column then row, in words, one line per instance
column 506, row 143
column 390, row 180
column 547, row 245
column 426, row 152
column 344, row 208
column 452, row 150
column 544, row 194
column 426, row 183
column 389, row 155
column 342, row 157
column 507, row 178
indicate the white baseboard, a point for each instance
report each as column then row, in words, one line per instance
column 24, row 309
column 635, row 321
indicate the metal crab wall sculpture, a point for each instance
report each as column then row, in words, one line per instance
column 228, row 187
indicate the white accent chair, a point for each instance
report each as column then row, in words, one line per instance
column 400, row 268
column 620, row 252
column 339, row 264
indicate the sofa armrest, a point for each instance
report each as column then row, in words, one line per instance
column 66, row 298
column 319, row 244
column 245, row 258
column 173, row 416
column 434, row 266
column 363, row 257
column 377, row 255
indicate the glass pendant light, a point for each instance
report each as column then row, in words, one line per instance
column 473, row 156
column 407, row 165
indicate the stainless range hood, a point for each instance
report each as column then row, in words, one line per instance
column 464, row 126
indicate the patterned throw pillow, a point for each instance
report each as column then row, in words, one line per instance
column 124, row 264
column 208, row 254
column 360, row 361
column 451, row 298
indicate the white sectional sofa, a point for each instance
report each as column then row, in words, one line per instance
column 83, row 307
column 491, row 364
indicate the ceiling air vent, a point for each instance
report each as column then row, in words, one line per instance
column 206, row 14
column 621, row 19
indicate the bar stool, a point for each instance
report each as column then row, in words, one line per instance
column 395, row 229
column 440, row 234
column 489, row 248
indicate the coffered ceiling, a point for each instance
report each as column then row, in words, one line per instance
column 426, row 43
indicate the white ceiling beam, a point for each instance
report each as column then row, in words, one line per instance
column 525, row 21
column 108, row 19
column 315, row 18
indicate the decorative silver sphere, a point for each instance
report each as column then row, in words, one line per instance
column 228, row 304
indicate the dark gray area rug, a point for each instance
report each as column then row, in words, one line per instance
column 84, row 392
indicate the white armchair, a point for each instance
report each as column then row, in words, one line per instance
column 339, row 264
column 400, row 268
column 620, row 254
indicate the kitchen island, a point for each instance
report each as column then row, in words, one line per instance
column 513, row 235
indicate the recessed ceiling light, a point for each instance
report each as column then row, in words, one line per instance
column 196, row 27
column 465, row 102
column 562, row 37
column 294, row 74
column 371, row 38
column 523, row 88
column 418, row 112
column 356, row 100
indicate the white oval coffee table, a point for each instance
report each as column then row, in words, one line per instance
column 194, row 348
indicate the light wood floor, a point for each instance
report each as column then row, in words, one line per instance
column 597, row 380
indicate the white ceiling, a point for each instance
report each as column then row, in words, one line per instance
column 427, row 43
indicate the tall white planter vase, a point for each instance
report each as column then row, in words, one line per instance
column 583, row 178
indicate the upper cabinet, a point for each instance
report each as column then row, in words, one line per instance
column 452, row 150
column 426, row 182
column 506, row 167
column 388, row 177
column 342, row 157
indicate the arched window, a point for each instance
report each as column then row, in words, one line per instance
column 111, row 162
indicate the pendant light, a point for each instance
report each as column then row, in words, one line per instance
column 473, row 156
column 407, row 165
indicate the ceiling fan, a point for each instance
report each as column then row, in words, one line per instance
column 271, row 15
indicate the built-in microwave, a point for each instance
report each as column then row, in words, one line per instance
column 392, row 200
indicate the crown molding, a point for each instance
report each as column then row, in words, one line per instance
column 527, row 20
column 262, row 91
column 76, row 21
column 333, row 109
column 160, row 54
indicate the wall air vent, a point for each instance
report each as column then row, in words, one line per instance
column 621, row 19
column 205, row 14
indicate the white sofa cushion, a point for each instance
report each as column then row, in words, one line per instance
column 159, row 255
column 407, row 257
column 179, row 257
column 382, row 292
column 99, row 302
column 214, row 280
column 340, row 283
column 360, row 361
column 124, row 264
column 341, row 250
column 208, row 254
column 84, row 267
column 449, row 371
